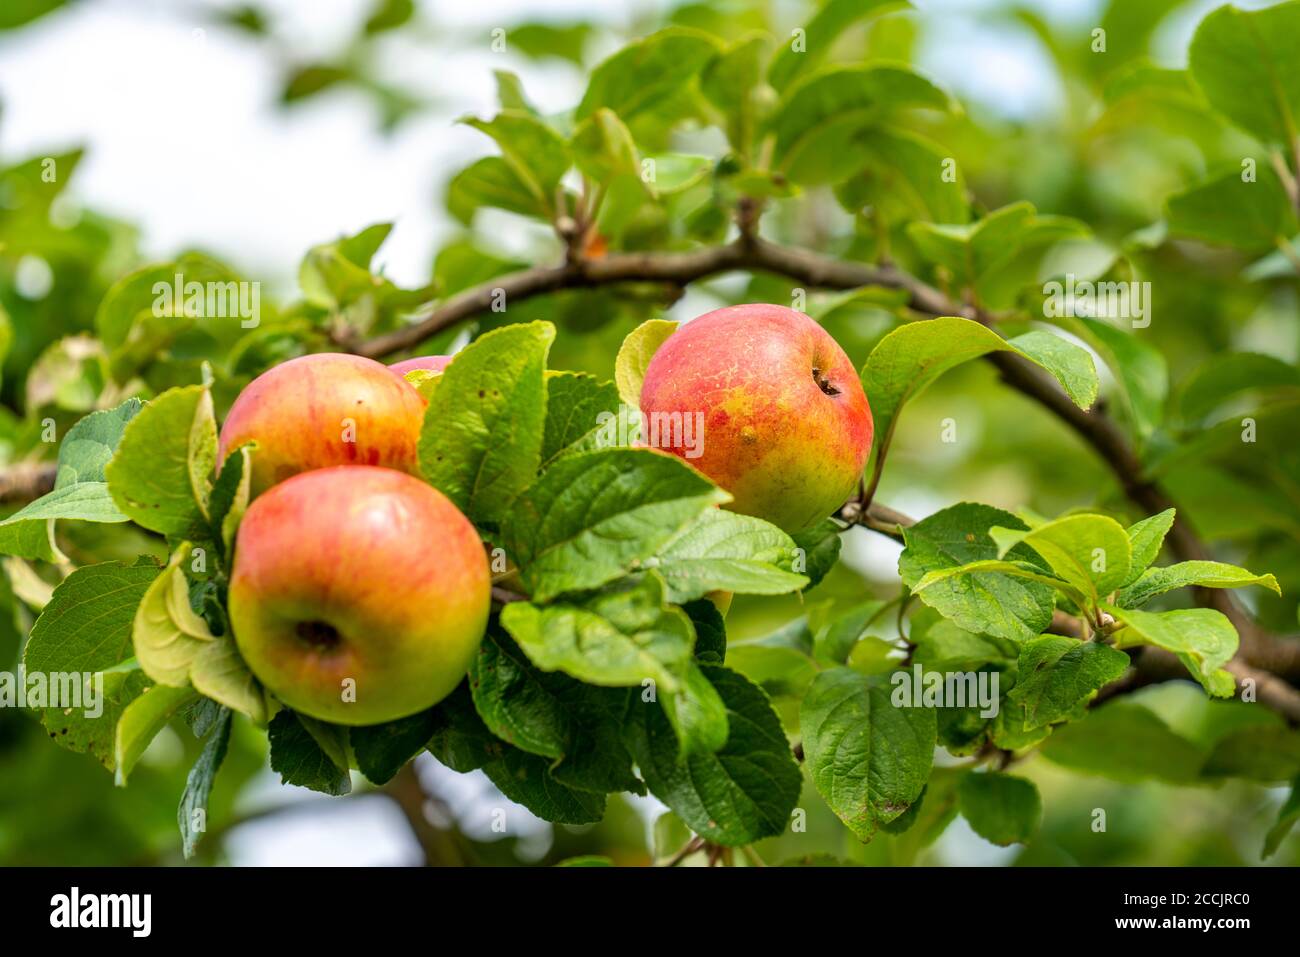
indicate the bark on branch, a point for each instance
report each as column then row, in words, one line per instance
column 820, row 271
column 26, row 481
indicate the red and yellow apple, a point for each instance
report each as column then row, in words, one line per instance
column 784, row 425
column 322, row 410
column 431, row 363
column 359, row 595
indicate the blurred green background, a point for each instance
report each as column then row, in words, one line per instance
column 251, row 132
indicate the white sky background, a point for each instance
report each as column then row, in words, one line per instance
column 185, row 139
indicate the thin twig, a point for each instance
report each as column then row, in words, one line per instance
column 687, row 849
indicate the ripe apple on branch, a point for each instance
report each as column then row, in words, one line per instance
column 360, row 597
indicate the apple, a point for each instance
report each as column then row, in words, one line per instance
column 359, row 595
column 764, row 402
column 321, row 410
column 432, row 363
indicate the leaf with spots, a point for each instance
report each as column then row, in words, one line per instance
column 869, row 759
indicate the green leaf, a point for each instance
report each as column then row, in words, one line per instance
column 987, row 602
column 1226, row 376
column 141, row 318
column 337, row 277
column 89, row 445
column 159, row 476
column 1145, row 538
column 83, row 501
column 1010, row 728
column 976, row 254
column 820, row 35
column 482, row 437
column 565, row 41
column 203, row 715
column 597, row 759
column 510, row 92
column 817, row 122
column 311, row 79
column 463, row 743
column 337, row 273
column 644, row 73
column 729, row 81
column 603, row 147
column 80, row 490
column 31, row 540
column 943, row 646
column 697, row 713
column 634, row 357
column 928, row 817
column 175, row 647
column 1204, row 640
column 382, row 750
column 140, row 723
column 726, row 551
column 193, row 808
column 491, row 181
column 388, row 15
column 1009, row 569
column 535, row 152
column 666, row 174
column 1091, row 552
column 1252, row 216
column 70, row 374
column 1248, row 64
column 167, row 634
column 817, row 551
column 999, row 807
column 577, row 405
column 1287, row 816
column 618, row 638
column 869, row 759
column 1202, row 574
column 834, row 641
column 911, row 357
column 710, row 631
column 86, row 628
column 1138, row 366
column 230, row 495
column 1266, row 753
column 299, row 758
column 743, row 792
column 596, row 516
column 781, row 668
column 902, row 177
column 520, row 704
column 219, row 672
column 1057, row 677
column 1071, row 366
column 1125, row 742
column 15, row 15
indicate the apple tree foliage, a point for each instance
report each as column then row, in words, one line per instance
column 607, row 665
